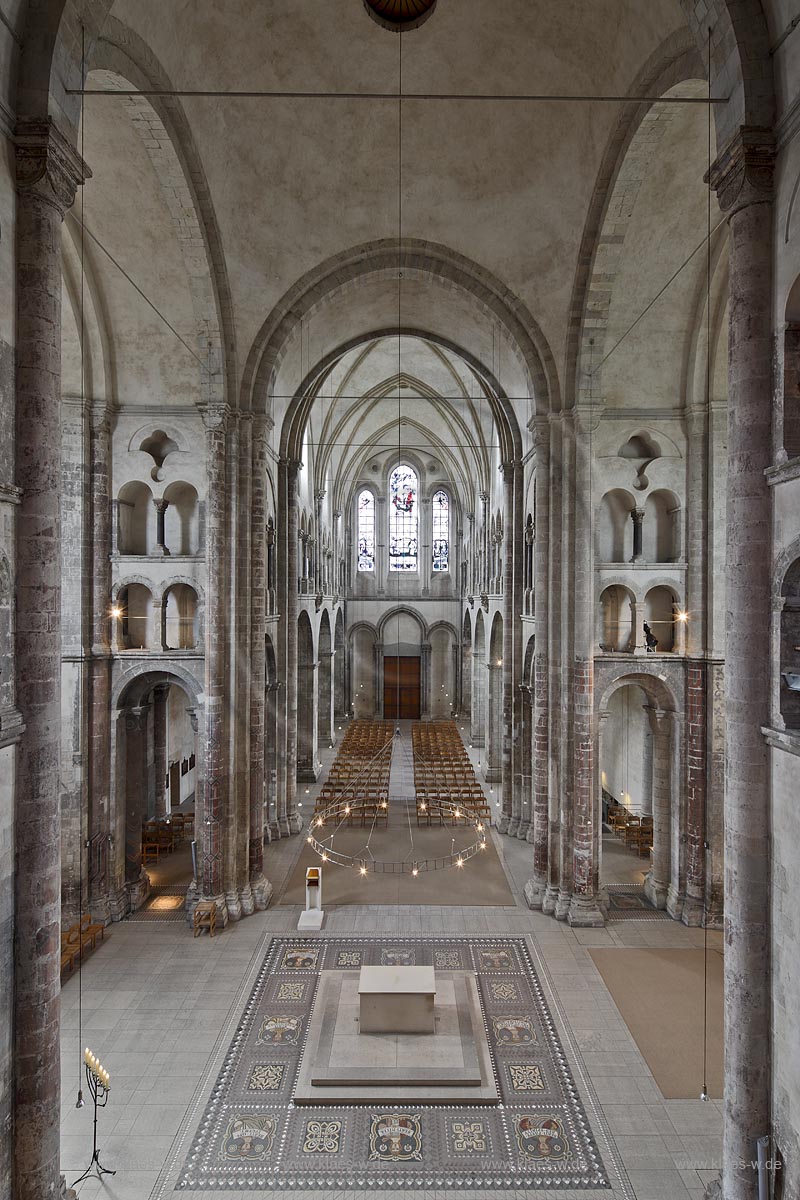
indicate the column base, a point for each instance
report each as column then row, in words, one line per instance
column 655, row 892
column 713, row 1190
column 247, row 901
column 549, row 900
column 529, row 837
column 675, row 902
column 275, row 833
column 503, row 822
column 309, row 773
column 492, row 774
column 562, row 905
column 585, row 913
column 136, row 892
column 692, row 911
column 513, row 827
column 534, row 893
column 294, row 823
column 524, row 830
column 233, row 902
column 262, row 890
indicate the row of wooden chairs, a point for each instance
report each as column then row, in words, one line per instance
column 358, row 778
column 636, row 831
column 79, row 937
column 164, row 834
column 446, row 787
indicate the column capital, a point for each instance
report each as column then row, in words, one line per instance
column 215, row 417
column 744, row 172
column 47, row 164
column 136, row 718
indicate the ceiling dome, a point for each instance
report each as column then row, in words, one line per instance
column 400, row 14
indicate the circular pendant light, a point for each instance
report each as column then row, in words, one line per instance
column 400, row 14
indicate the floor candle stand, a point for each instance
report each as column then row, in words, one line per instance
column 99, row 1083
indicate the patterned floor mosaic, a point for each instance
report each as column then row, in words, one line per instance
column 252, row 1137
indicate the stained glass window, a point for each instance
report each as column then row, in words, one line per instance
column 403, row 520
column 366, row 531
column 441, row 531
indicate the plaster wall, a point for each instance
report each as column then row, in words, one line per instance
column 785, row 880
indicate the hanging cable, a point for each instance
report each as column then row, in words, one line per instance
column 704, row 1093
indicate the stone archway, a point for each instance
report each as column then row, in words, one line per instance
column 650, row 776
column 308, row 766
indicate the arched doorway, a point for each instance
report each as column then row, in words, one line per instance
column 479, row 683
column 443, row 697
column 325, row 683
column 157, row 780
column 339, row 671
column 466, row 666
column 636, row 745
column 307, row 702
column 493, row 771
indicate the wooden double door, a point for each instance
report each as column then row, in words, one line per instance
column 402, row 679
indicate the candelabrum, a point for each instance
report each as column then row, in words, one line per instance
column 98, row 1081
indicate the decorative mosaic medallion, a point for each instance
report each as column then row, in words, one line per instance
column 249, row 1139
column 279, row 1031
column 394, row 957
column 266, row 1077
column 300, row 959
column 395, row 1137
column 526, row 1077
column 252, row 1137
column 294, row 989
column 513, row 1031
column 322, row 1137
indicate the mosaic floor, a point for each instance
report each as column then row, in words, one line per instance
column 252, row 1137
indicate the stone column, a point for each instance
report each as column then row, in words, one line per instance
column 160, row 696
column 535, row 889
column 743, row 178
column 584, row 908
column 638, row 629
column 696, row 782
column 637, row 516
column 209, row 827
column 291, row 821
column 135, row 795
column 509, row 819
column 161, row 507
column 259, row 886
column 48, row 172
column 552, row 671
column 657, row 882
column 99, row 741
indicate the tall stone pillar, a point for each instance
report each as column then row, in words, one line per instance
column 209, row 828
column 259, row 886
column 99, row 738
column 509, row 820
column 743, row 179
column 584, row 908
column 48, row 172
column 291, row 821
column 552, row 667
column 135, row 795
column 160, row 697
column 535, row 889
column 696, row 786
column 656, row 885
